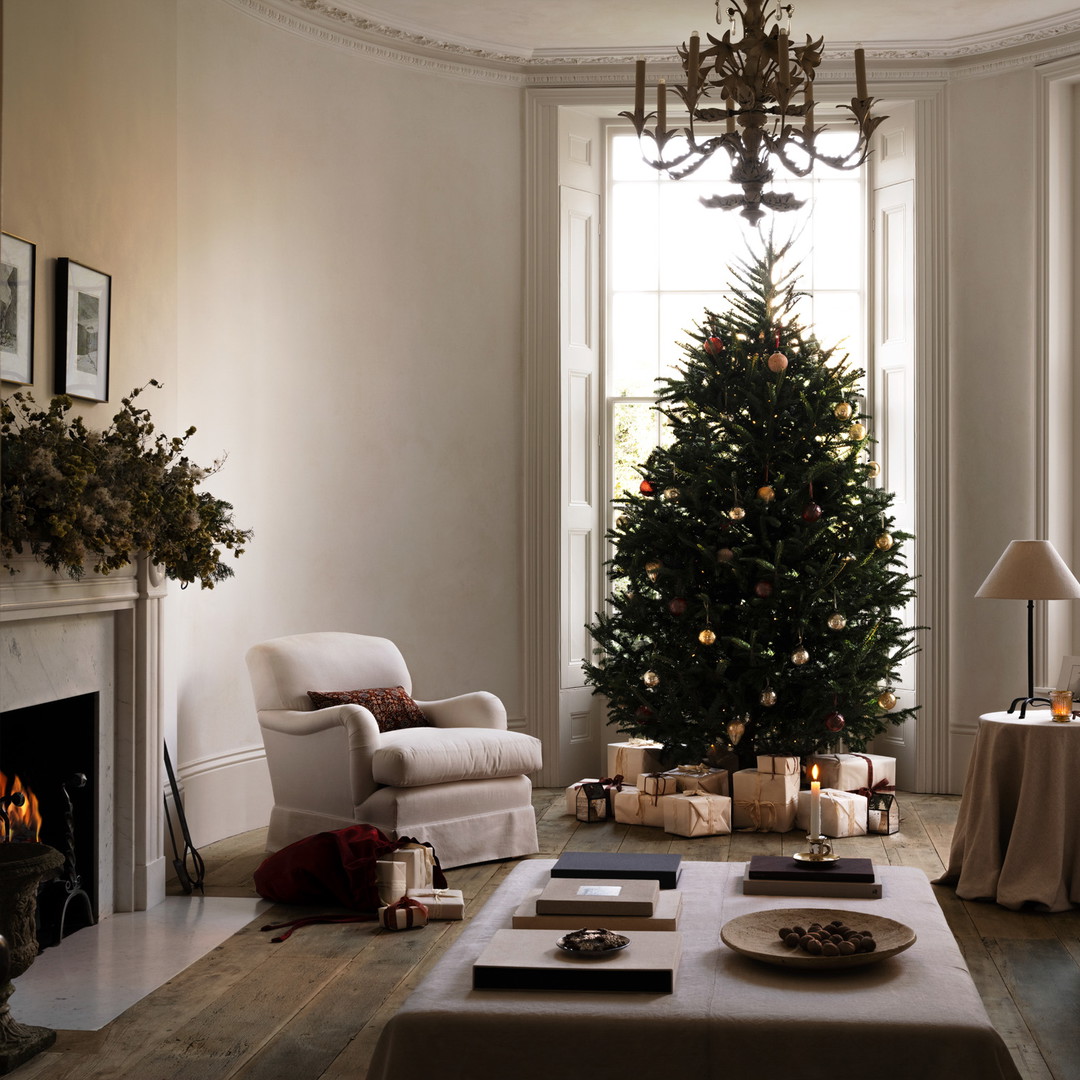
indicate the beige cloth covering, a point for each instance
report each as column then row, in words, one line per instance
column 916, row 1015
column 1017, row 837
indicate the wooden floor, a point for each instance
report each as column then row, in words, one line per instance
column 312, row 1007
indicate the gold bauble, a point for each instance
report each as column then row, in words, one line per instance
column 622, row 521
column 735, row 731
column 887, row 700
column 837, row 621
column 671, row 494
column 842, row 411
column 857, row 431
column 736, row 513
column 650, row 678
column 768, row 697
column 873, row 470
column 706, row 637
column 766, row 493
column 883, row 542
column 725, row 555
column 652, row 569
column 800, row 656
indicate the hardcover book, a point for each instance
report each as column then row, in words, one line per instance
column 851, row 890
column 663, row 868
column 664, row 917
column 590, row 896
column 785, row 868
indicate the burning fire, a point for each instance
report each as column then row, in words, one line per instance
column 24, row 822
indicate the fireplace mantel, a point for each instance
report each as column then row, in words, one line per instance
column 101, row 634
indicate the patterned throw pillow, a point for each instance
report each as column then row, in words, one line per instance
column 391, row 706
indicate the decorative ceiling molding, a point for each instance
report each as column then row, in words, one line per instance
column 325, row 22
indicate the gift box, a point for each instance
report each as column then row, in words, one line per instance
column 419, row 863
column 701, row 778
column 765, row 802
column 882, row 814
column 843, row 813
column 868, row 774
column 778, row 764
column 633, row 757
column 391, row 879
column 634, row 808
column 405, row 914
column 592, row 802
column 442, row 903
column 611, row 783
column 657, row 783
column 697, row 813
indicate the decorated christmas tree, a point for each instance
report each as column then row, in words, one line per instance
column 758, row 584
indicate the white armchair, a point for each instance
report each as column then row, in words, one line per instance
column 460, row 784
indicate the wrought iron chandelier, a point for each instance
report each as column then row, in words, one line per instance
column 766, row 85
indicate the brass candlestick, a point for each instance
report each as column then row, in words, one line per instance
column 820, row 851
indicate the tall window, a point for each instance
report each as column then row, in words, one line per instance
column 668, row 260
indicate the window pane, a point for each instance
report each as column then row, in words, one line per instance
column 633, row 345
column 634, row 230
column 838, row 235
column 636, row 433
column 679, row 315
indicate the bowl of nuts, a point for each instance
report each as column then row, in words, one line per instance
column 816, row 938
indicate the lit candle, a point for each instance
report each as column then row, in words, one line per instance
column 815, row 802
column 1061, row 703
column 693, row 62
column 639, row 88
column 661, row 105
column 860, row 75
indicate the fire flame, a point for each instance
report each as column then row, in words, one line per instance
column 814, row 771
column 24, row 821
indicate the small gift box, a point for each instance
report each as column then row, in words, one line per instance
column 634, row 808
column 419, row 863
column 391, row 879
column 701, row 778
column 696, row 813
column 843, row 813
column 882, row 814
column 405, row 914
column 442, row 903
column 633, row 757
column 657, row 783
column 611, row 783
column 764, row 802
column 868, row 774
column 778, row 764
column 592, row 802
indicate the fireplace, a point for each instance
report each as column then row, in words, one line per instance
column 96, row 642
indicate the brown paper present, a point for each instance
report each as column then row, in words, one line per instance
column 778, row 764
column 701, row 778
column 696, row 813
column 633, row 757
column 405, row 914
column 864, row 773
column 657, row 784
column 391, row 879
column 419, row 865
column 634, row 808
column 764, row 802
column 843, row 813
column 442, row 903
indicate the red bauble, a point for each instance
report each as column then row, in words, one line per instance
column 643, row 712
column 834, row 722
column 725, row 555
column 763, row 589
column 777, row 362
column 645, row 487
column 677, row 606
column 714, row 346
column 811, row 512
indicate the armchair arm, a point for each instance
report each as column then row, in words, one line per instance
column 478, row 709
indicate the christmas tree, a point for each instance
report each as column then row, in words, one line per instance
column 757, row 580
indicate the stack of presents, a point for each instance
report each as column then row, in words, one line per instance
column 407, row 892
column 696, row 800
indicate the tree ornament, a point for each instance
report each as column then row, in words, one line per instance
column 842, row 411
column 857, row 431
column 706, row 637
column 671, row 494
column 677, row 606
column 714, row 346
column 837, row 621
column 887, row 700
column 811, row 512
column 800, row 656
column 735, row 730
column 725, row 555
column 873, row 470
column 643, row 712
column 736, row 513
column 777, row 362
column 622, row 521
column 650, row 678
column 768, row 696
column 766, row 493
column 834, row 722
column 645, row 487
column 652, row 569
column 763, row 589
column 884, row 542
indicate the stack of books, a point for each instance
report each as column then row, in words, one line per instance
column 781, row 875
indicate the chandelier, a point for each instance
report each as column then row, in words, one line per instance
column 766, row 86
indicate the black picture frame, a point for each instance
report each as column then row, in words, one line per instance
column 83, row 329
column 18, row 259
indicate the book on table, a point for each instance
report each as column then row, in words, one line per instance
column 851, row 890
column 785, row 868
column 593, row 896
column 663, row 868
column 665, row 917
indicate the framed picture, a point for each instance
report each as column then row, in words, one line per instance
column 83, row 297
column 17, row 259
column 1069, row 679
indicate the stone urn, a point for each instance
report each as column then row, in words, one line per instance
column 22, row 868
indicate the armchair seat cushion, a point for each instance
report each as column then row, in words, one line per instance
column 414, row 757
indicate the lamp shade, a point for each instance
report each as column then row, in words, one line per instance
column 1030, row 570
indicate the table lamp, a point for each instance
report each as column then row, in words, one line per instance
column 1030, row 570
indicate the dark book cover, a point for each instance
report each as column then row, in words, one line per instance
column 605, row 864
column 785, row 868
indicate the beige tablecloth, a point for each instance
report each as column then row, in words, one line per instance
column 1017, row 837
column 914, row 1015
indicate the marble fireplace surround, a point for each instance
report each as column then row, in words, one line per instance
column 102, row 634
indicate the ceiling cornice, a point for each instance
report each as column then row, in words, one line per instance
column 325, row 22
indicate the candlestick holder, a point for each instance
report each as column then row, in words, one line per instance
column 820, row 851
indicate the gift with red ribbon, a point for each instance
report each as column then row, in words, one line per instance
column 404, row 914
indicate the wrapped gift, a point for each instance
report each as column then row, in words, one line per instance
column 634, row 808
column 391, row 879
column 701, row 778
column 656, row 784
column 882, row 814
column 442, row 903
column 419, row 863
column 697, row 813
column 405, row 914
column 592, row 802
column 765, row 802
column 633, row 757
column 868, row 774
column 778, row 764
column 611, row 783
column 843, row 813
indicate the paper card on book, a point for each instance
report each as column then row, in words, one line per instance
column 598, row 896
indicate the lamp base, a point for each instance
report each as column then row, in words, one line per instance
column 1024, row 702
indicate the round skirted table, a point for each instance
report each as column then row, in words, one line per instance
column 1017, row 837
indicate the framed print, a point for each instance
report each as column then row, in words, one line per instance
column 17, row 258
column 1069, row 679
column 83, row 297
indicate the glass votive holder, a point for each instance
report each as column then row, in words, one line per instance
column 1061, row 703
